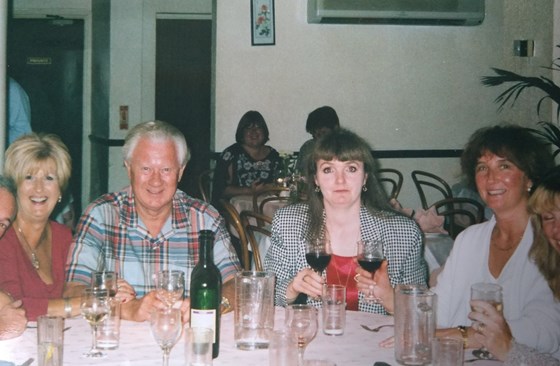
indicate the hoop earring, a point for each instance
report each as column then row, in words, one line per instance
column 317, row 189
column 364, row 188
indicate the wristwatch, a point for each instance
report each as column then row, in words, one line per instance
column 226, row 304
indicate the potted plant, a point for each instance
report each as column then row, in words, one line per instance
column 550, row 130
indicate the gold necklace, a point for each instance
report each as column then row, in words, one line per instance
column 335, row 265
column 34, row 260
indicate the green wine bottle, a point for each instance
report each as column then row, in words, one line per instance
column 206, row 290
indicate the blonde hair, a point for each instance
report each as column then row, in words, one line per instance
column 26, row 155
column 546, row 198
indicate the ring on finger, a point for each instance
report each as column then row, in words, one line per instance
column 356, row 277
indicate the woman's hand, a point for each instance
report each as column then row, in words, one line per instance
column 125, row 292
column 491, row 329
column 307, row 282
column 379, row 283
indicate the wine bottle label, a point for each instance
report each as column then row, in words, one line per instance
column 204, row 318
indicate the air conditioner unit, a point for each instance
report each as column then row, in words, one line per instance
column 412, row 12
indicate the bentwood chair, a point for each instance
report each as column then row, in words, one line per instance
column 204, row 181
column 274, row 194
column 428, row 185
column 253, row 223
column 459, row 213
column 393, row 179
column 236, row 231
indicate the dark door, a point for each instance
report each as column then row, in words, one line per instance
column 46, row 57
column 183, row 73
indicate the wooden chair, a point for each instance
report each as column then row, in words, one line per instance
column 428, row 183
column 274, row 194
column 237, row 231
column 459, row 214
column 392, row 178
column 204, row 181
column 254, row 222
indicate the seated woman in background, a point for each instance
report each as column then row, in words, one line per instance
column 34, row 250
column 505, row 163
column 248, row 166
column 319, row 123
column 544, row 204
column 346, row 204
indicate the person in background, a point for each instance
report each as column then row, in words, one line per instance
column 505, row 162
column 319, row 122
column 34, row 249
column 249, row 165
column 12, row 316
column 346, row 204
column 19, row 111
column 148, row 226
column 544, row 205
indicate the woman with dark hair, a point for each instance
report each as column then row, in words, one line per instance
column 505, row 163
column 248, row 166
column 346, row 204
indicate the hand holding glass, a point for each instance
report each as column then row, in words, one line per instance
column 170, row 286
column 491, row 293
column 94, row 306
column 166, row 328
column 370, row 258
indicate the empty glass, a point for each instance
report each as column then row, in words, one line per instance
column 301, row 321
column 170, row 286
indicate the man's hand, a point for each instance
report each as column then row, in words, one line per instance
column 140, row 309
column 12, row 320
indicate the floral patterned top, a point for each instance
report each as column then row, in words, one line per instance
column 246, row 170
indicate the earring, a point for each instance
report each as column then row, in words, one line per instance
column 529, row 189
column 59, row 199
column 364, row 188
column 317, row 189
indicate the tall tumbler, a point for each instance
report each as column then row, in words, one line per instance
column 415, row 324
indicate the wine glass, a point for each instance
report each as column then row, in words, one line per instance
column 317, row 254
column 94, row 306
column 166, row 328
column 491, row 293
column 370, row 257
column 301, row 321
column 170, row 286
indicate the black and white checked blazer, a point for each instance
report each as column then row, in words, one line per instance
column 401, row 236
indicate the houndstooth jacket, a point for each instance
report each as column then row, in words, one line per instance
column 401, row 236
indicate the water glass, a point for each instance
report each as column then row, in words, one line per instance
column 50, row 340
column 447, row 352
column 334, row 309
column 282, row 350
column 105, row 281
column 198, row 346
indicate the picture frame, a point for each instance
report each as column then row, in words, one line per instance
column 263, row 31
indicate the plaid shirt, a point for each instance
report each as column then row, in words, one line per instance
column 110, row 236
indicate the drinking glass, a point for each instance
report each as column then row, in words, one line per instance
column 370, row 257
column 301, row 321
column 105, row 281
column 491, row 293
column 318, row 255
column 94, row 306
column 166, row 328
column 170, row 286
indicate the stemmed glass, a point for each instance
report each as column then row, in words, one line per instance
column 170, row 286
column 301, row 321
column 370, row 257
column 318, row 256
column 166, row 328
column 491, row 293
column 94, row 306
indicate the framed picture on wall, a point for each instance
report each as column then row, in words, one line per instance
column 262, row 23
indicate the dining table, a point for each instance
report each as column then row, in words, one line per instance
column 356, row 346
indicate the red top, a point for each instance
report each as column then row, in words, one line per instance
column 341, row 271
column 19, row 278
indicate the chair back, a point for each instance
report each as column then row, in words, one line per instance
column 428, row 183
column 254, row 222
column 204, row 181
column 392, row 179
column 459, row 213
column 236, row 230
column 273, row 194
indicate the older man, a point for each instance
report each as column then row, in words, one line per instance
column 12, row 317
column 150, row 225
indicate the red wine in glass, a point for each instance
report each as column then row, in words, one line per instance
column 370, row 264
column 318, row 260
column 370, row 258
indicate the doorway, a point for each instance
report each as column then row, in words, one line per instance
column 183, row 76
column 46, row 57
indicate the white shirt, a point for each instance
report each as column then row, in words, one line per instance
column 529, row 306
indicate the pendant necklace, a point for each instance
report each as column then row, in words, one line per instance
column 34, row 260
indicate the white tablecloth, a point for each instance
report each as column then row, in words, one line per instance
column 137, row 347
